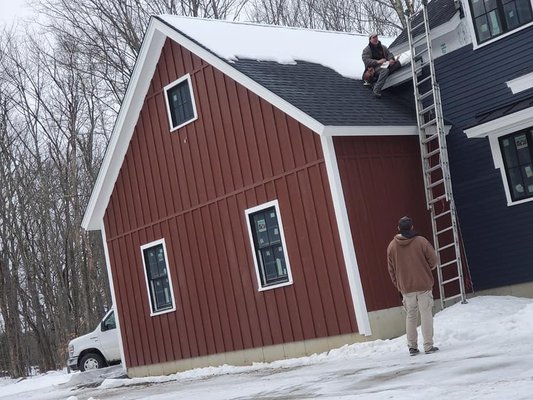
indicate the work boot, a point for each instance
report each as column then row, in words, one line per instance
column 432, row 349
column 413, row 351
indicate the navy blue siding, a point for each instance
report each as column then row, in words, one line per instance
column 498, row 238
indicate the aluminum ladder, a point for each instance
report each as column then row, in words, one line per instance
column 435, row 164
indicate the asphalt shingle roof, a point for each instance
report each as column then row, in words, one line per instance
column 327, row 96
column 439, row 12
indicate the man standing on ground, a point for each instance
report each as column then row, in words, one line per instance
column 410, row 261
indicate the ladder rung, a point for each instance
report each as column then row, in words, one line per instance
column 444, row 230
column 454, row 261
column 427, row 78
column 421, row 66
column 427, row 109
column 453, row 297
column 429, row 123
column 442, row 214
column 424, row 50
column 430, row 138
column 437, row 199
column 432, row 153
column 456, row 278
column 446, row 247
column 436, row 183
column 423, row 96
column 434, row 168
column 417, row 26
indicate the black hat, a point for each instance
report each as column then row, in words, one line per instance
column 405, row 223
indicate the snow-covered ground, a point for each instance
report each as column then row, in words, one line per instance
column 486, row 353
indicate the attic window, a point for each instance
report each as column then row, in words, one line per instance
column 180, row 102
column 492, row 18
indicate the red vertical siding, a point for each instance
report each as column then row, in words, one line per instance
column 192, row 187
column 382, row 181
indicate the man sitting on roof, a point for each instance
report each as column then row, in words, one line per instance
column 378, row 57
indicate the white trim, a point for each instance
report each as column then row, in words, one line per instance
column 502, row 126
column 238, row 76
column 186, row 77
column 494, row 130
column 345, row 234
column 124, row 125
column 113, row 297
column 468, row 16
column 521, row 83
column 148, row 292
column 389, row 130
column 499, row 164
column 247, row 212
column 143, row 71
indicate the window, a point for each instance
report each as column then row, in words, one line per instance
column 158, row 282
column 109, row 323
column 517, row 153
column 492, row 18
column 268, row 246
column 180, row 102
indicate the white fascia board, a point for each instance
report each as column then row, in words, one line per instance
column 521, row 83
column 226, row 68
column 385, row 130
column 345, row 235
column 124, row 125
column 145, row 65
column 502, row 126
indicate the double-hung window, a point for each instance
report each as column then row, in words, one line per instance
column 268, row 246
column 517, row 154
column 157, row 274
column 492, row 18
column 180, row 102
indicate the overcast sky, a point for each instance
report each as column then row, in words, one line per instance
column 11, row 10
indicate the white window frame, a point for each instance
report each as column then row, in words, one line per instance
column 247, row 213
column 187, row 78
column 470, row 22
column 149, row 294
column 497, row 128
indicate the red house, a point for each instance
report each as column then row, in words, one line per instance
column 247, row 198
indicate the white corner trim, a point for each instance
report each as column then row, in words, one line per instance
column 385, row 130
column 502, row 126
column 247, row 212
column 113, row 297
column 145, row 273
column 345, row 234
column 521, row 83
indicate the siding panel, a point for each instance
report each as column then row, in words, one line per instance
column 192, row 187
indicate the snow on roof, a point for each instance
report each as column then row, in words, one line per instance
column 339, row 51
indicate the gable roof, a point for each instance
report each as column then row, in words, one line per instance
column 314, row 86
column 439, row 12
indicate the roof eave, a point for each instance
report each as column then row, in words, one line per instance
column 124, row 125
column 156, row 34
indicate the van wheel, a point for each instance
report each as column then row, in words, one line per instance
column 91, row 361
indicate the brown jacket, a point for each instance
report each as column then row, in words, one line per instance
column 410, row 262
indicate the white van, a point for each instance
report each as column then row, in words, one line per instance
column 97, row 349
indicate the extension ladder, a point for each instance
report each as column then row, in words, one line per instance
column 435, row 164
